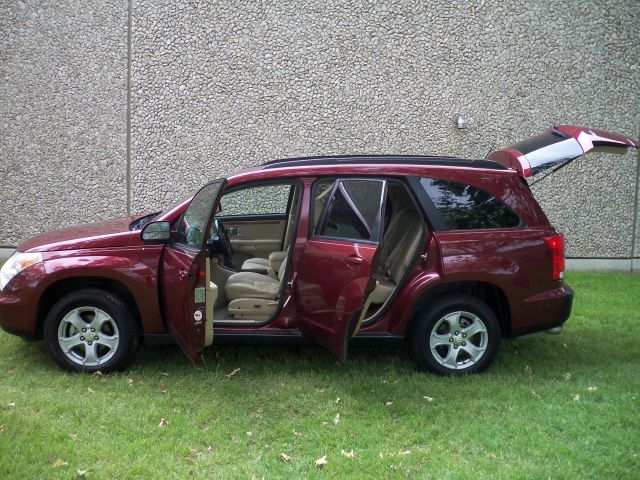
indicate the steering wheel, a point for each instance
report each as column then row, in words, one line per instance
column 225, row 243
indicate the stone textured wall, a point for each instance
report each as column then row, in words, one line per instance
column 221, row 85
column 62, row 115
column 260, row 200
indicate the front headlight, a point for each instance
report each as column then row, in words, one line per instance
column 15, row 264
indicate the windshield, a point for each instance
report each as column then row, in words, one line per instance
column 195, row 217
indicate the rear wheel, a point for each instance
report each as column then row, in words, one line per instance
column 90, row 330
column 459, row 334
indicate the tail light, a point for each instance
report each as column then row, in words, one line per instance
column 556, row 245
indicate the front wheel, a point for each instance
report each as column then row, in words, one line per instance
column 90, row 330
column 459, row 334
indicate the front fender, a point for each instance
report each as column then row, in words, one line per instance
column 135, row 269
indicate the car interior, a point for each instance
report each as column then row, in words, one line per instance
column 260, row 224
column 403, row 235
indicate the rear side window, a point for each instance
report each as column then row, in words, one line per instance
column 353, row 212
column 465, row 207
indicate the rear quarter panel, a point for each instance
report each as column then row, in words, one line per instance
column 516, row 260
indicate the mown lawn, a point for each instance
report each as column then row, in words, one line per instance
column 563, row 406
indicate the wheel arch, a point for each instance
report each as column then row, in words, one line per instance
column 489, row 293
column 62, row 287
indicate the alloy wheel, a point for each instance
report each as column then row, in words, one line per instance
column 458, row 340
column 88, row 336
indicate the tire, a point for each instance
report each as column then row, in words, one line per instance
column 89, row 330
column 459, row 334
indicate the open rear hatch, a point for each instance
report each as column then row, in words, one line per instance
column 557, row 146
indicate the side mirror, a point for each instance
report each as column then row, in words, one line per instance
column 156, row 232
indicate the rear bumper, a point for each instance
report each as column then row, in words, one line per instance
column 547, row 310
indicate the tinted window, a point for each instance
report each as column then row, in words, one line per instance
column 463, row 206
column 259, row 200
column 353, row 211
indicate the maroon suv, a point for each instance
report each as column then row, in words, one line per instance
column 448, row 254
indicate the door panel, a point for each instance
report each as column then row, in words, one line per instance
column 334, row 275
column 183, row 297
column 336, row 278
column 255, row 235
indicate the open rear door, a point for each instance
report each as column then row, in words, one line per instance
column 334, row 272
column 557, row 145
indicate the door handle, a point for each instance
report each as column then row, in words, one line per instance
column 182, row 274
column 354, row 260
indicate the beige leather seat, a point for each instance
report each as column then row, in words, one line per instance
column 276, row 258
column 253, row 296
column 274, row 262
column 256, row 263
column 400, row 242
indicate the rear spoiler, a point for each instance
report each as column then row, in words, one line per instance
column 557, row 146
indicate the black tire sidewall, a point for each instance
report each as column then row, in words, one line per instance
column 105, row 301
column 427, row 320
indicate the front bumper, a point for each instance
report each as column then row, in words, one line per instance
column 13, row 313
column 19, row 302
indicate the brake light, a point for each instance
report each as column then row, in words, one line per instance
column 556, row 245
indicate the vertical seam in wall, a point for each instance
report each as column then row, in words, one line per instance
column 128, row 170
column 635, row 212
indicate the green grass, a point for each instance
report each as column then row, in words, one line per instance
column 550, row 407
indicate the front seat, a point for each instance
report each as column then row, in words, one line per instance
column 276, row 258
column 274, row 263
column 253, row 296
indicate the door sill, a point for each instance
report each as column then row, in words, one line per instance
column 294, row 337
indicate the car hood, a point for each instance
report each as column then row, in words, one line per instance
column 111, row 233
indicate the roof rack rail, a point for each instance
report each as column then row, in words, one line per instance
column 390, row 159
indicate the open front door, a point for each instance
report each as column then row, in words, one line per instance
column 335, row 268
column 558, row 145
column 183, row 274
column 183, row 295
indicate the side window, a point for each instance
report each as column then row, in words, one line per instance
column 321, row 194
column 258, row 200
column 464, row 207
column 353, row 212
column 196, row 215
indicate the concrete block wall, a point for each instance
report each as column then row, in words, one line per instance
column 63, row 106
column 110, row 108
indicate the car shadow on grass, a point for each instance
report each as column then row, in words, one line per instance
column 275, row 359
column 576, row 350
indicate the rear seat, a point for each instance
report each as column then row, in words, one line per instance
column 399, row 245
